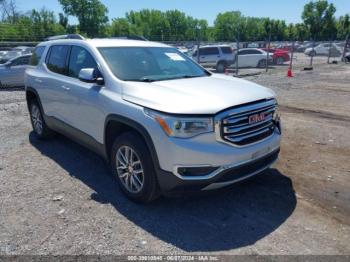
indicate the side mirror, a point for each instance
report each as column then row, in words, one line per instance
column 91, row 75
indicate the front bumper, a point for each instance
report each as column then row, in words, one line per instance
column 224, row 176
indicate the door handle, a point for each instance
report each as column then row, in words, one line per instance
column 65, row 88
column 38, row 80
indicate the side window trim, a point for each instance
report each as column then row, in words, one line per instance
column 34, row 54
column 69, row 56
column 67, row 59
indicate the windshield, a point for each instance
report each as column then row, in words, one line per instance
column 148, row 64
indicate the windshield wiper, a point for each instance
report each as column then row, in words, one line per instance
column 144, row 79
column 190, row 76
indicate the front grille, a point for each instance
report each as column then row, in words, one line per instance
column 248, row 124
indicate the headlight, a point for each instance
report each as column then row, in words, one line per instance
column 277, row 119
column 183, row 127
column 276, row 114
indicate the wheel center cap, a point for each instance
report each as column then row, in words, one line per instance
column 130, row 169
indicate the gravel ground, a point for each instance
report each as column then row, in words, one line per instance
column 57, row 197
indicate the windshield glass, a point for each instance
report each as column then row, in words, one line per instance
column 149, row 64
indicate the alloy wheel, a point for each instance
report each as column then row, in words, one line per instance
column 37, row 119
column 129, row 169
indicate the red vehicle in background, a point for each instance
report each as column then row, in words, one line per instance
column 279, row 56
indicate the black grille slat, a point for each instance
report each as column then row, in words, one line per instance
column 246, row 114
column 245, row 127
column 247, row 169
column 251, row 131
column 236, row 129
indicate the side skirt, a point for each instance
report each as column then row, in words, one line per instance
column 76, row 135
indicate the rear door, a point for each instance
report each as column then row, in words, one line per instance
column 209, row 56
column 54, row 93
column 227, row 54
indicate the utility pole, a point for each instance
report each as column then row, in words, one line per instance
column 198, row 43
column 268, row 51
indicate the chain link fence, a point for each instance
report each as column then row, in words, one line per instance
column 228, row 57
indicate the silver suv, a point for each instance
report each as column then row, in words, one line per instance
column 162, row 122
column 218, row 56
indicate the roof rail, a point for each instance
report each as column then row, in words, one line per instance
column 130, row 37
column 69, row 36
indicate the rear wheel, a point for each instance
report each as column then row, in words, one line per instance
column 133, row 167
column 40, row 128
column 220, row 67
column 262, row 63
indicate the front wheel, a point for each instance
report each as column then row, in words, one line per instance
column 312, row 53
column 133, row 167
column 279, row 60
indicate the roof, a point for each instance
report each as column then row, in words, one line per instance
column 106, row 42
column 222, row 45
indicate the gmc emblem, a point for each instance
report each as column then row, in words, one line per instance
column 257, row 118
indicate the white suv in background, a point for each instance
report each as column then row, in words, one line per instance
column 162, row 122
column 218, row 56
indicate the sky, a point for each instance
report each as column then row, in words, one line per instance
column 288, row 10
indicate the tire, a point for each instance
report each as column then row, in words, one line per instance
column 220, row 67
column 262, row 63
column 135, row 172
column 280, row 60
column 41, row 130
column 312, row 53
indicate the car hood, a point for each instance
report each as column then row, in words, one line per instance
column 202, row 95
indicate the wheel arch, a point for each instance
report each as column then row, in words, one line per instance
column 117, row 124
column 32, row 94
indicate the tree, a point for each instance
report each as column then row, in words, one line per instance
column 228, row 25
column 92, row 15
column 343, row 26
column 319, row 19
column 9, row 11
column 63, row 20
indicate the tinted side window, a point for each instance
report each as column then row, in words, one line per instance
column 56, row 61
column 80, row 58
column 243, row 52
column 21, row 61
column 226, row 50
column 249, row 52
column 38, row 52
column 209, row 51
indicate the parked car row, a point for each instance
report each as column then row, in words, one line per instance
column 6, row 55
column 222, row 56
column 324, row 49
column 12, row 72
